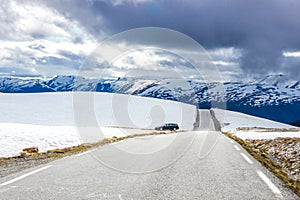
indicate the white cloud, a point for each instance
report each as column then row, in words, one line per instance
column 143, row 61
column 40, row 40
column 122, row 2
column 144, row 58
column 227, row 54
column 224, row 63
column 291, row 54
column 32, row 34
column 29, row 20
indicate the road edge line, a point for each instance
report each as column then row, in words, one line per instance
column 25, row 175
column 247, row 158
column 236, row 147
column 271, row 185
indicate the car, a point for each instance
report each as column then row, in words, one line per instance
column 168, row 126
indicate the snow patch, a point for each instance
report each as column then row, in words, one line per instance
column 232, row 121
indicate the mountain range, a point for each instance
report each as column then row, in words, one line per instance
column 274, row 97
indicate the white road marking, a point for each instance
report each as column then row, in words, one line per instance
column 273, row 187
column 236, row 147
column 83, row 153
column 246, row 158
column 120, row 197
column 25, row 175
column 93, row 195
column 230, row 140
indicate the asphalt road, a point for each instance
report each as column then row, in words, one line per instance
column 206, row 123
column 189, row 165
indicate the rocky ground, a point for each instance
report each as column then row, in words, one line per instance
column 284, row 151
column 16, row 164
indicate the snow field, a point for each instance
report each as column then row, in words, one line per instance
column 58, row 120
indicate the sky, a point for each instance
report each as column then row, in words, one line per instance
column 244, row 39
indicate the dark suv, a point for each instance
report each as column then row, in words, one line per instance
column 168, row 126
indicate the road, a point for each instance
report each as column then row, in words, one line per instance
column 206, row 123
column 201, row 164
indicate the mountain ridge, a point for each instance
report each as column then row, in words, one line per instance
column 268, row 97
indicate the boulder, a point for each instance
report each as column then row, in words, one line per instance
column 31, row 150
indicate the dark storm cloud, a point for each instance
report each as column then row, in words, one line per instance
column 263, row 29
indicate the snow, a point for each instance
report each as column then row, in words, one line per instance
column 265, row 135
column 277, row 80
column 58, row 120
column 231, row 121
column 138, row 85
column 15, row 137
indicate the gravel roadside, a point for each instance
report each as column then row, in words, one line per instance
column 16, row 164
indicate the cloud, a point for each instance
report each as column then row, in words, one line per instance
column 291, row 54
column 29, row 21
column 148, row 51
column 143, row 62
column 255, row 37
column 261, row 29
column 39, row 40
column 122, row 2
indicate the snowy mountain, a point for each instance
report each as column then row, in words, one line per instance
column 274, row 97
column 23, row 85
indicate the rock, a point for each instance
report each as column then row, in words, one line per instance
column 293, row 173
column 31, row 150
column 285, row 151
column 256, row 150
column 24, row 154
column 56, row 151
